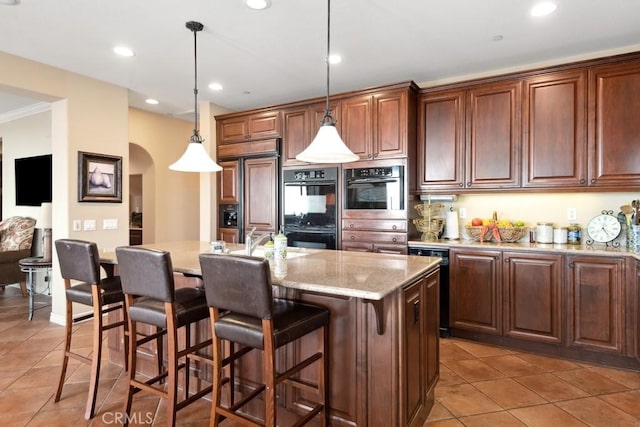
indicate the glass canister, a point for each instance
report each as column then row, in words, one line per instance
column 573, row 234
column 560, row 235
column 544, row 232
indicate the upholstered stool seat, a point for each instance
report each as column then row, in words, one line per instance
column 80, row 268
column 151, row 298
column 244, row 312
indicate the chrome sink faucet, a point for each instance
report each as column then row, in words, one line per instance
column 250, row 244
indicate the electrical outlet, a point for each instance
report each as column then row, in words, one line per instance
column 89, row 224
column 77, row 225
column 109, row 224
column 571, row 214
column 462, row 213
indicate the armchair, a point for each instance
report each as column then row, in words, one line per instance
column 16, row 238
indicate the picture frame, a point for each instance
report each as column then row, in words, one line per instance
column 99, row 178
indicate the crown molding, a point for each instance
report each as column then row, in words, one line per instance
column 21, row 112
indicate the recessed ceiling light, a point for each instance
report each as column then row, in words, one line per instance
column 335, row 59
column 152, row 101
column 215, row 86
column 544, row 8
column 258, row 4
column 497, row 38
column 10, row 2
column 123, row 51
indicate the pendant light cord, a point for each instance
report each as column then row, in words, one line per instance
column 328, row 119
column 195, row 27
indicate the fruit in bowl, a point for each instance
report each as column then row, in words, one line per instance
column 475, row 222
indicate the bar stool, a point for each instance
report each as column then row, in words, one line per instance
column 80, row 261
column 243, row 311
column 151, row 298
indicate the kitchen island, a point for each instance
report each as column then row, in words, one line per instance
column 384, row 360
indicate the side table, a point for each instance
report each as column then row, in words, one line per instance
column 30, row 266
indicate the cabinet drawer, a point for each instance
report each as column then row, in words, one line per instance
column 373, row 236
column 375, row 225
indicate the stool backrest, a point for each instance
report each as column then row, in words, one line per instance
column 79, row 260
column 146, row 272
column 241, row 284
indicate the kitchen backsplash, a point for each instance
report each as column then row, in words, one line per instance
column 539, row 207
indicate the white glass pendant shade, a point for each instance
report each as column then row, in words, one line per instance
column 327, row 147
column 195, row 159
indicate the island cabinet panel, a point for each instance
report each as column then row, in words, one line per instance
column 475, row 289
column 240, row 128
column 554, row 130
column 614, row 132
column 345, row 344
column 595, row 303
column 533, row 296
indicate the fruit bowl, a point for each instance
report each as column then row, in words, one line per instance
column 511, row 234
column 485, row 233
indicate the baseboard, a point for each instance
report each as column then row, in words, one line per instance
column 62, row 319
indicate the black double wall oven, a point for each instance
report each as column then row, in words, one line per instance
column 310, row 208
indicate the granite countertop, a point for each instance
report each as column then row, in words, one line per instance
column 582, row 249
column 344, row 273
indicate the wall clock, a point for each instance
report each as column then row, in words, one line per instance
column 603, row 228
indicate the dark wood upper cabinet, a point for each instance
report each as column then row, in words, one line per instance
column 240, row 128
column 300, row 126
column 470, row 138
column 554, row 130
column 441, row 137
column 614, row 126
column 261, row 194
column 357, row 125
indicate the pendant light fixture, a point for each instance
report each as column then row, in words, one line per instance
column 195, row 158
column 327, row 146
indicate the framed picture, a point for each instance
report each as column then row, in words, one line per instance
column 99, row 178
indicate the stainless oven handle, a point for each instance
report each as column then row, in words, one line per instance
column 371, row 180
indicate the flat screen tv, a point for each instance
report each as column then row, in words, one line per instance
column 33, row 180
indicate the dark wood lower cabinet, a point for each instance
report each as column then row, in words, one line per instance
column 475, row 290
column 576, row 306
column 595, row 312
column 533, row 296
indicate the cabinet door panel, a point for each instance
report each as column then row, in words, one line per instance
column 233, row 130
column 493, row 136
column 295, row 133
column 441, row 141
column 229, row 182
column 260, row 195
column 614, row 134
column 414, row 347
column 390, row 136
column 555, row 138
column 475, row 285
column 265, row 125
column 357, row 125
column 533, row 298
column 595, row 310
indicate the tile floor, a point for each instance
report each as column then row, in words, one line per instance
column 479, row 385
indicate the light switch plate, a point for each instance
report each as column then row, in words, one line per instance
column 109, row 224
column 89, row 224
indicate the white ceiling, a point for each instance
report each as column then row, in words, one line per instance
column 274, row 56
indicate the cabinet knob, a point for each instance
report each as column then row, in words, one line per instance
column 353, row 237
column 593, row 180
column 468, row 183
column 571, row 265
column 395, row 239
column 369, row 155
column 582, row 180
column 394, row 227
column 351, row 225
column 506, row 260
column 460, row 185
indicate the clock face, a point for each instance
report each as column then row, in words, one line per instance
column 603, row 228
